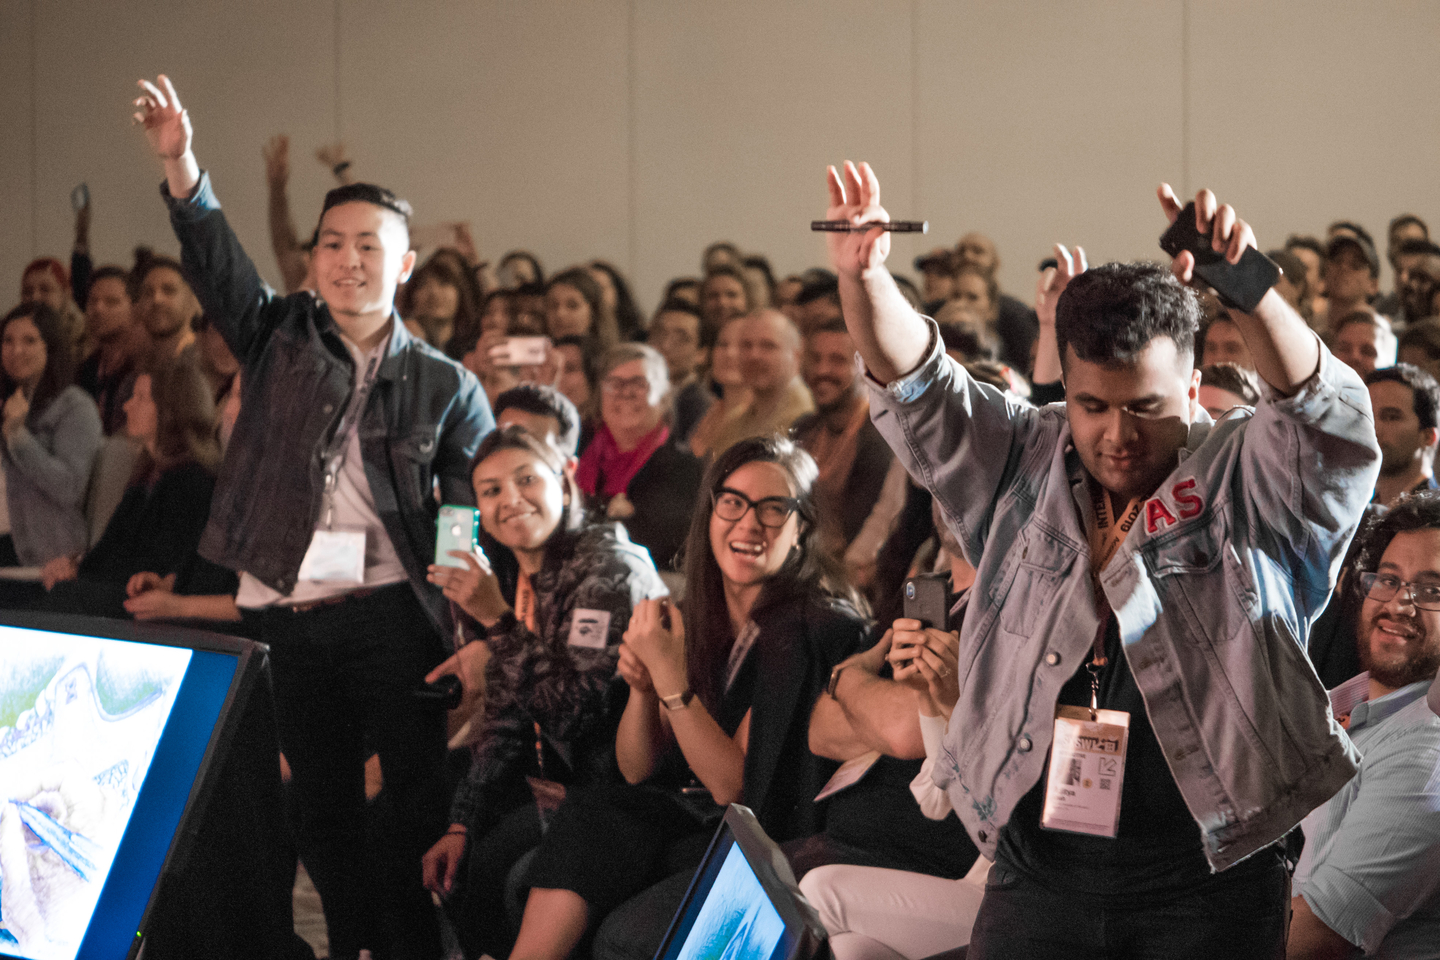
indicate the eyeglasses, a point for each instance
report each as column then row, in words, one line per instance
column 770, row 511
column 635, row 386
column 1382, row 587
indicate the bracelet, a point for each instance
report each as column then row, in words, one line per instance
column 677, row 701
column 340, row 167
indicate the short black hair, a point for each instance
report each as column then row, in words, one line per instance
column 1232, row 378
column 1416, row 245
column 1109, row 314
column 1423, row 335
column 369, row 193
column 820, row 288
column 545, row 401
column 147, row 262
column 1351, row 226
column 1297, row 241
column 1404, row 220
column 112, row 272
column 1423, row 389
column 1413, row 511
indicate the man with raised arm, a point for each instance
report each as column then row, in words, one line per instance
column 1137, row 722
column 326, row 506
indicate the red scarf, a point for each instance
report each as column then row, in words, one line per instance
column 605, row 465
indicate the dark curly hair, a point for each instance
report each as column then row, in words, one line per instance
column 1108, row 315
column 1413, row 511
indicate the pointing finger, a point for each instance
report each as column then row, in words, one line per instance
column 870, row 186
column 1080, row 257
column 1169, row 202
column 837, row 189
column 1204, row 210
column 170, row 93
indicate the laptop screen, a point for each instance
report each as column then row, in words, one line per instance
column 101, row 743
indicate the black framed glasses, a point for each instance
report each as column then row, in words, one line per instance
column 1382, row 587
column 770, row 511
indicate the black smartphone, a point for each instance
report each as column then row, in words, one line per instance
column 927, row 599
column 445, row 692
column 1241, row 285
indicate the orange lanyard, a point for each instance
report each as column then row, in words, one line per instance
column 525, row 602
column 1105, row 536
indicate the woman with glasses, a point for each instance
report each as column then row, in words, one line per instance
column 631, row 471
column 547, row 657
column 717, row 713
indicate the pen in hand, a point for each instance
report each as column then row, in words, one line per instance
column 894, row 226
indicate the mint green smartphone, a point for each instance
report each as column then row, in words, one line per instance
column 456, row 528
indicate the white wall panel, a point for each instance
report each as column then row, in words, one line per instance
column 17, row 188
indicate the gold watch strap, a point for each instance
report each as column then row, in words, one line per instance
column 677, row 701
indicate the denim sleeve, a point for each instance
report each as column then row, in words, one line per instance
column 1383, row 863
column 469, row 420
column 960, row 439
column 223, row 276
column 1307, row 469
column 62, row 474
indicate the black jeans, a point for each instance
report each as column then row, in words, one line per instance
column 344, row 678
column 1021, row 919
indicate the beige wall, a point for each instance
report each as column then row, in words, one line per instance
column 639, row 131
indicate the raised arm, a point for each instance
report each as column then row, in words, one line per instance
column 890, row 335
column 167, row 126
column 283, row 238
column 1284, row 348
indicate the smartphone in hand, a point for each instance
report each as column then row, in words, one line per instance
column 927, row 599
column 521, row 352
column 1241, row 285
column 456, row 528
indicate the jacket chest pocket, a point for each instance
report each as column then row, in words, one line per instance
column 1203, row 567
column 412, row 458
column 1041, row 564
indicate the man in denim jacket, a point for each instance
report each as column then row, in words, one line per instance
column 326, row 506
column 1194, row 625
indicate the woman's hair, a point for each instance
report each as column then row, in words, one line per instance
column 809, row 572
column 59, row 370
column 516, row 437
column 441, row 267
column 603, row 330
column 184, row 417
column 529, row 258
column 992, row 286
column 627, row 315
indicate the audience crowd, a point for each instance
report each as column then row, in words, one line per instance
column 692, row 540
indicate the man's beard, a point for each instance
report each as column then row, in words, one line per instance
column 1421, row 661
column 162, row 324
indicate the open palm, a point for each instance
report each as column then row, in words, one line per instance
column 166, row 122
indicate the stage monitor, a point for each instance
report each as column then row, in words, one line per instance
column 743, row 903
column 107, row 731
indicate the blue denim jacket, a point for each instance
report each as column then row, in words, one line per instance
column 1214, row 589
column 422, row 422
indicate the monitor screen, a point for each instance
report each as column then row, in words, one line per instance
column 102, row 741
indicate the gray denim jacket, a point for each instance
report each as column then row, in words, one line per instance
column 1215, row 589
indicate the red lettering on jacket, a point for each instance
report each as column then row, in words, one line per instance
column 1155, row 513
column 1190, row 505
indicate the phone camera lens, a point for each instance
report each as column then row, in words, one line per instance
column 909, row 591
column 455, row 530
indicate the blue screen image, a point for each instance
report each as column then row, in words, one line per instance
column 737, row 920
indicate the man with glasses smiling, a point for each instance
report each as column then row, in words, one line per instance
column 1369, row 878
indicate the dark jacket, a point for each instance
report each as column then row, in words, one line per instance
column 570, row 690
column 663, row 493
column 867, row 473
column 154, row 528
column 422, row 422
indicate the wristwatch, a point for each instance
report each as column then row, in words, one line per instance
column 677, row 701
column 834, row 680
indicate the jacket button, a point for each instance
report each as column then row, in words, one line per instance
column 1024, row 744
column 1052, row 658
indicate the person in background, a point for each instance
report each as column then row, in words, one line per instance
column 723, row 296
column 677, row 332
column 1406, row 401
column 158, row 523
column 717, row 708
column 615, row 295
column 1225, row 386
column 759, row 280
column 1363, row 340
column 517, row 268
column 1418, row 285
column 632, row 471
column 440, row 308
column 1368, row 880
column 726, row 381
column 547, row 413
column 721, row 253
column 683, row 288
column 1404, row 230
column 108, row 374
column 576, row 380
column 786, row 291
column 575, row 307
column 166, row 306
column 1311, row 253
column 852, row 456
column 291, row 255
column 817, row 303
column 1292, row 285
column 1352, row 278
column 770, row 367
column 46, row 281
column 1420, row 346
column 50, row 433
column 1221, row 342
column 1015, row 323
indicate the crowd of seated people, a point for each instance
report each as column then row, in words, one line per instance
column 728, row 443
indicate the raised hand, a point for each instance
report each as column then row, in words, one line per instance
column 1230, row 235
column 659, row 649
column 474, row 588
column 166, row 122
column 856, row 198
column 277, row 159
column 1054, row 280
column 633, row 670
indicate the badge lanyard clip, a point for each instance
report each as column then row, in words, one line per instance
column 339, row 447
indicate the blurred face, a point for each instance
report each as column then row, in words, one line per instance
column 40, row 286
column 722, row 297
column 828, row 367
column 1406, row 231
column 572, row 381
column 538, row 425
column 567, row 312
column 362, row 255
column 1223, row 344
column 166, row 303
column 816, row 313
column 608, row 296
column 142, row 417
column 725, row 358
column 23, row 352
column 787, row 290
column 1290, row 290
column 973, row 292
column 1402, row 440
column 1130, row 421
column 1311, row 259
column 1417, row 357
column 1398, row 642
column 108, row 310
column 1419, row 287
column 747, row 551
column 1358, row 344
column 937, row 285
column 496, row 316
column 758, row 284
column 976, row 250
column 1218, row 402
column 1347, row 276
column 435, row 299
column 677, row 336
column 521, row 500
column 768, row 358
column 630, row 403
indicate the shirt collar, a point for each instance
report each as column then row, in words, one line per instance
column 1382, row 708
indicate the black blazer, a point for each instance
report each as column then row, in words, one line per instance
column 664, row 494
